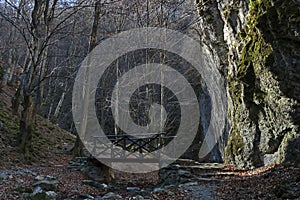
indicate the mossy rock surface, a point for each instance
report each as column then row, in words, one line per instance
column 265, row 112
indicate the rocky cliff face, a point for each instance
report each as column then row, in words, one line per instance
column 256, row 46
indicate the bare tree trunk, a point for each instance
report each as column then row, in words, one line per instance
column 15, row 101
column 49, row 99
column 60, row 102
column 78, row 148
column 27, row 84
column 40, row 90
column 26, row 127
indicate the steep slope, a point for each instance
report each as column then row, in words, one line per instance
column 49, row 141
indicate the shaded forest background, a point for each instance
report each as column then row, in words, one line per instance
column 44, row 42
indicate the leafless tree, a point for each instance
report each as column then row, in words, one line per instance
column 38, row 25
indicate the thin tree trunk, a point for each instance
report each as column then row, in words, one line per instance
column 26, row 128
column 60, row 102
column 41, row 85
column 15, row 101
column 78, row 148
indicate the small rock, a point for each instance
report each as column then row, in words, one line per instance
column 98, row 198
column 3, row 176
column 25, row 196
column 171, row 193
column 144, row 192
column 47, row 183
column 95, row 184
column 10, row 177
column 159, row 190
column 132, row 189
column 111, row 195
column 19, row 180
column 188, row 184
column 170, row 187
column 138, row 197
column 36, row 190
column 73, row 193
column 184, row 173
column 14, row 192
column 51, row 194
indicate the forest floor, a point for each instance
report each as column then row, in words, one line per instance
column 51, row 149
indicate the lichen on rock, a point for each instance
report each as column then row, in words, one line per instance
column 260, row 40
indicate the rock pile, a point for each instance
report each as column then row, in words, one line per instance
column 84, row 165
column 44, row 188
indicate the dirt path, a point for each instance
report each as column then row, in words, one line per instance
column 198, row 192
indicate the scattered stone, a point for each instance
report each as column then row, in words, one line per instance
column 73, row 193
column 163, row 191
column 184, row 173
column 33, row 173
column 36, row 190
column 3, row 175
column 88, row 167
column 67, row 147
column 47, row 183
column 19, row 180
column 51, row 194
column 78, row 163
column 171, row 193
column 138, row 197
column 168, row 187
column 159, row 190
column 144, row 192
column 174, row 175
column 200, row 191
column 188, row 184
column 111, row 195
column 25, row 196
column 95, row 184
column 132, row 189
